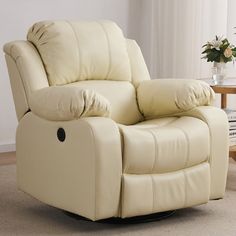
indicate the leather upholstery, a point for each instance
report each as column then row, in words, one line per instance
column 133, row 146
column 87, row 50
column 217, row 121
column 120, row 94
column 147, row 194
column 174, row 96
column 81, row 174
column 171, row 144
column 139, row 69
column 68, row 103
column 26, row 71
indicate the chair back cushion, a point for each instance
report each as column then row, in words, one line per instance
column 84, row 50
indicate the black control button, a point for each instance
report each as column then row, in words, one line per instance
column 61, row 134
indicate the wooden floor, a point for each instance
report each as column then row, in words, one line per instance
column 7, row 158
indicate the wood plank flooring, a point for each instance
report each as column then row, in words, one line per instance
column 7, row 158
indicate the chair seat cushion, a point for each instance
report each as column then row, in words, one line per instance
column 164, row 145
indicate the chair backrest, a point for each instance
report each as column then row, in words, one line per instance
column 69, row 53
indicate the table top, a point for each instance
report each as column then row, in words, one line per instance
column 229, row 82
column 228, row 86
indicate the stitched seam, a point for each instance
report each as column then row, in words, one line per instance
column 209, row 158
column 109, row 49
column 122, row 192
column 188, row 145
column 153, row 193
column 23, row 84
column 204, row 119
column 22, row 81
column 95, row 172
column 185, row 189
column 198, row 114
column 156, row 150
column 156, row 126
column 78, row 49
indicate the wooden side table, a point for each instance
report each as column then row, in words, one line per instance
column 228, row 87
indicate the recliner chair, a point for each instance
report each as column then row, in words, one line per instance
column 98, row 137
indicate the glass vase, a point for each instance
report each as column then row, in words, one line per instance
column 218, row 72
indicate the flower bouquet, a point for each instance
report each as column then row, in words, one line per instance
column 219, row 51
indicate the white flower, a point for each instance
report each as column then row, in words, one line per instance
column 216, row 43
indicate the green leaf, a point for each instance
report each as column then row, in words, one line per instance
column 224, row 47
column 225, row 41
column 214, row 55
column 207, row 51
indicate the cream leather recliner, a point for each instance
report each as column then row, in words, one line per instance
column 98, row 138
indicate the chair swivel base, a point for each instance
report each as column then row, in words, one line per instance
column 131, row 220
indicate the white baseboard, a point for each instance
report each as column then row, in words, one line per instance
column 7, row 147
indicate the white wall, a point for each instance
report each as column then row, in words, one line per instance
column 231, row 30
column 172, row 32
column 17, row 16
column 231, row 23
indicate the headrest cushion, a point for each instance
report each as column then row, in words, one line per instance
column 73, row 51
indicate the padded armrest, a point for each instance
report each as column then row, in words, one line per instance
column 161, row 97
column 68, row 103
column 218, row 124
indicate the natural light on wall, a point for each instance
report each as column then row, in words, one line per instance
column 173, row 32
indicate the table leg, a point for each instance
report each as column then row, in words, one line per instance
column 223, row 100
